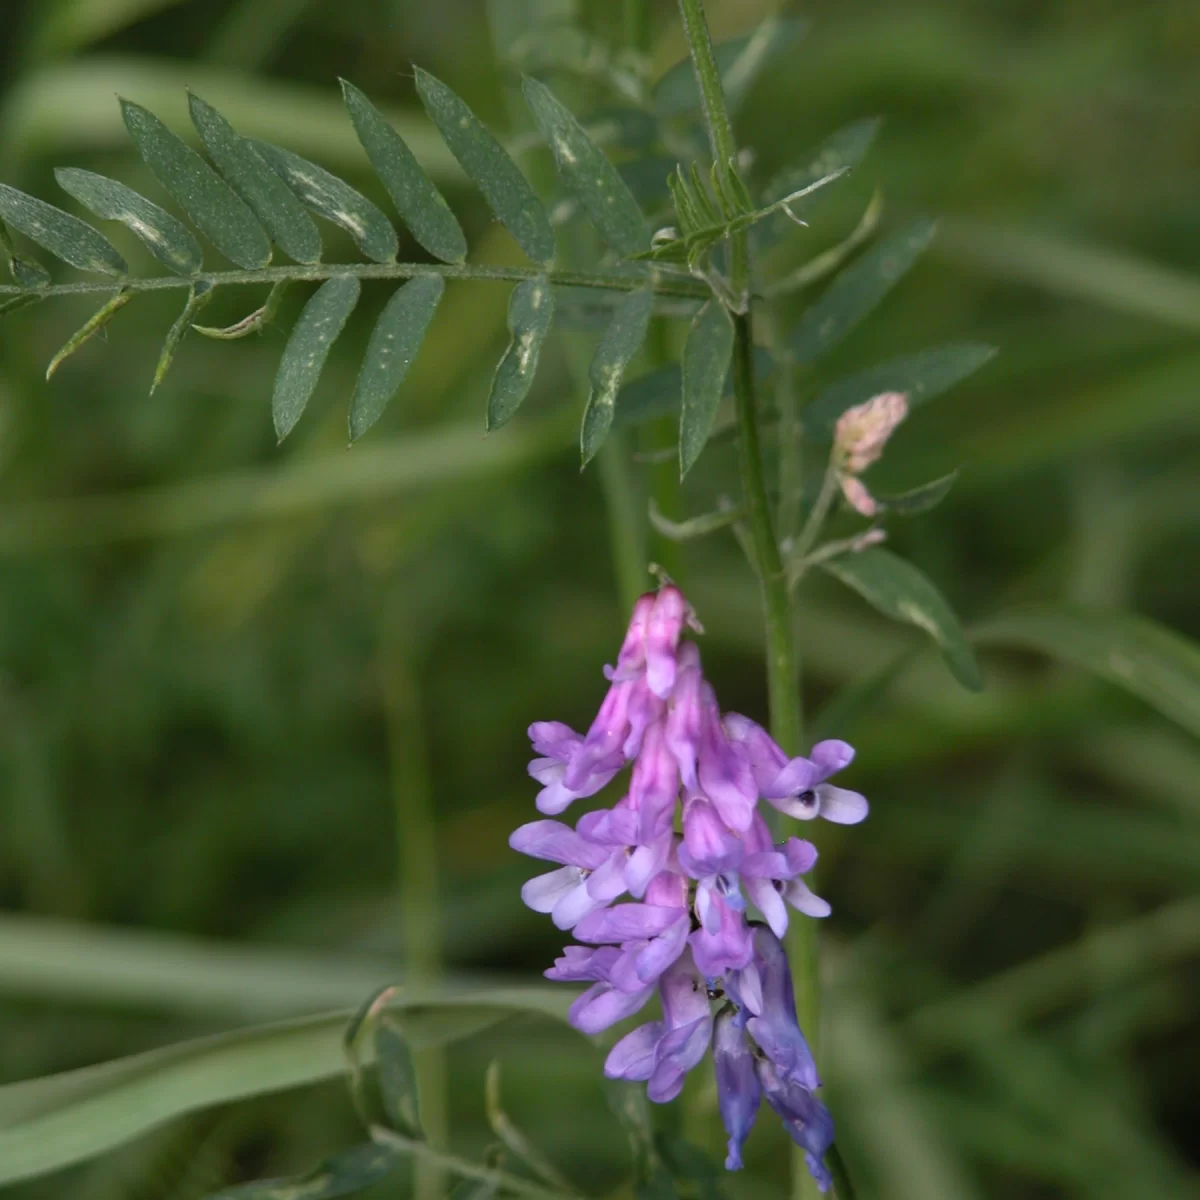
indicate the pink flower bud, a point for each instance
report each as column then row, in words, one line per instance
column 863, row 431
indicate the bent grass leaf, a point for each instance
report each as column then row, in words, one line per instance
column 739, row 61
column 587, row 172
column 339, row 1175
column 857, row 290
column 919, row 376
column 336, row 201
column 1145, row 658
column 222, row 216
column 900, row 591
column 420, row 205
column 393, row 347
column 622, row 340
column 94, row 325
column 61, row 234
column 273, row 202
column 706, row 358
column 169, row 240
column 57, row 1120
column 486, row 162
column 323, row 318
column 530, row 312
column 198, row 296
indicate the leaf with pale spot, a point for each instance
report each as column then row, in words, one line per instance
column 63, row 235
column 622, row 340
column 530, row 312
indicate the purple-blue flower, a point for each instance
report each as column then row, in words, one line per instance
column 661, row 887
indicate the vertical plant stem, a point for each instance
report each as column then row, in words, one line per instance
column 416, row 833
column 637, row 25
column 783, row 670
column 626, row 519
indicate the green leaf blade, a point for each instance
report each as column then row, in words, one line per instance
column 221, row 215
column 397, row 1080
column 706, row 358
column 920, row 376
column 335, row 200
column 59, row 233
column 899, row 590
column 393, row 347
column 586, row 170
column 1147, row 659
column 272, row 201
column 488, row 164
column 857, row 291
column 842, row 150
column 621, row 341
column 339, row 1175
column 198, row 296
column 530, row 313
column 168, row 240
column 95, row 324
column 320, row 323
column 420, row 205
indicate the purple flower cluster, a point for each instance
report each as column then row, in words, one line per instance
column 689, row 847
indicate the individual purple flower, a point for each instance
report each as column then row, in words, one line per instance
column 772, row 1021
column 805, row 1118
column 738, row 1090
column 603, row 1005
column 798, row 786
column 770, row 875
column 663, row 1052
column 724, row 942
column 565, row 893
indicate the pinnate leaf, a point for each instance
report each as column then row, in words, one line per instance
column 587, row 172
column 482, row 157
column 530, row 312
column 169, row 240
column 919, row 376
column 323, row 318
column 1147, row 659
column 900, row 591
column 336, row 201
column 393, row 347
column 622, row 340
column 857, row 290
column 706, row 358
column 63, row 235
column 222, row 216
column 420, row 205
column 339, row 1175
column 273, row 202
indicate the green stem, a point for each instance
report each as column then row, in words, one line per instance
column 637, row 25
column 842, row 1187
column 626, row 520
column 783, row 671
column 799, row 557
column 416, row 832
column 684, row 288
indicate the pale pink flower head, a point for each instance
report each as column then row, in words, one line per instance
column 859, row 439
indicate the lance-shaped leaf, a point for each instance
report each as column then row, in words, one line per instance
column 857, row 290
column 1145, row 658
column 706, row 358
column 919, row 376
column 169, row 240
column 739, row 60
column 919, row 499
column 273, row 202
column 93, row 325
column 842, row 150
column 393, row 347
column 198, row 296
column 622, row 340
column 222, row 216
column 28, row 272
column 336, row 201
column 397, row 1080
column 339, row 1175
column 63, row 235
column 530, row 312
column 420, row 205
column 588, row 173
column 898, row 590
column 506, row 190
column 323, row 318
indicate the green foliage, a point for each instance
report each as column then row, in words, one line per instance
column 530, row 312
column 63, row 235
column 621, row 341
column 705, row 366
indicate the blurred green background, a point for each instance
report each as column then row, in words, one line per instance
column 262, row 710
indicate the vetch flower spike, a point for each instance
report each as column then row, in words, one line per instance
column 688, row 843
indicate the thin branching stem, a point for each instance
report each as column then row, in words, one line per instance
column 685, row 288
